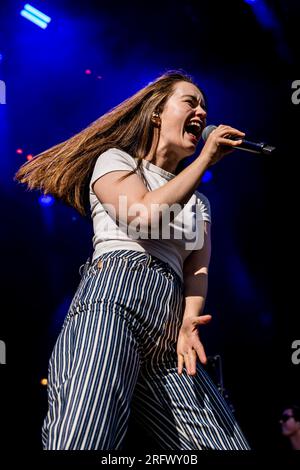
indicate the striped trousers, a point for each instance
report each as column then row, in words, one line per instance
column 116, row 355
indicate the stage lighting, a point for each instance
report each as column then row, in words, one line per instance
column 264, row 14
column 2, row 92
column 207, row 176
column 46, row 200
column 36, row 16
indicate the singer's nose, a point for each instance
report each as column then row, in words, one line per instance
column 201, row 111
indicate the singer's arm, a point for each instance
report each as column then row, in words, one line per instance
column 195, row 273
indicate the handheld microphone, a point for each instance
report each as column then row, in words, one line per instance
column 247, row 145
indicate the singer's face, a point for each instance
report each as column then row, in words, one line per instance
column 182, row 120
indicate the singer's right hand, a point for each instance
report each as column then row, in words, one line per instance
column 217, row 145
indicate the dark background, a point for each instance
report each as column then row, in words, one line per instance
column 245, row 56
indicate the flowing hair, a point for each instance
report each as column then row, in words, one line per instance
column 65, row 169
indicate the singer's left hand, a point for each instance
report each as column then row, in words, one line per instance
column 189, row 345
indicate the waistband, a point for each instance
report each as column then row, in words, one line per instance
column 141, row 258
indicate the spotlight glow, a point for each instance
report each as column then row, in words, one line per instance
column 207, row 176
column 46, row 200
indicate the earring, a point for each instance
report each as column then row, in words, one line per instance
column 155, row 118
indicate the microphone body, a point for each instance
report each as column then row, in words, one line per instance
column 247, row 145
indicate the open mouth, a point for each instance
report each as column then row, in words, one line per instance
column 194, row 128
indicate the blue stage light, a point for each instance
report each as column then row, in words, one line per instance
column 37, row 13
column 264, row 14
column 2, row 92
column 207, row 176
column 36, row 16
column 46, row 200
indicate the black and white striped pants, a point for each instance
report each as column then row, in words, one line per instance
column 116, row 355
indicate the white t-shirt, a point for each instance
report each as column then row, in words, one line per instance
column 178, row 238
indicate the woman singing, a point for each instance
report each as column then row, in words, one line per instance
column 130, row 340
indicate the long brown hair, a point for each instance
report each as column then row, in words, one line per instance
column 65, row 169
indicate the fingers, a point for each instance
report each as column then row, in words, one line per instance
column 220, row 142
column 203, row 319
column 225, row 130
column 189, row 359
column 180, row 363
column 191, row 362
column 223, row 133
column 190, row 346
column 232, row 143
column 201, row 354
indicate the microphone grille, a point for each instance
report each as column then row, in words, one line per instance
column 207, row 131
